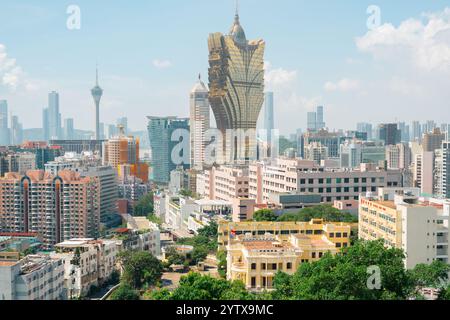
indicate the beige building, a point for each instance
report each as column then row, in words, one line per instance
column 295, row 175
column 338, row 233
column 406, row 221
column 257, row 251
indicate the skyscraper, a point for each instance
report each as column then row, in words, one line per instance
column 160, row 131
column 4, row 131
column 16, row 131
column 312, row 121
column 320, row 120
column 236, row 83
column 68, row 129
column 390, row 134
column 199, row 116
column 269, row 123
column 433, row 140
column 97, row 93
column 53, row 116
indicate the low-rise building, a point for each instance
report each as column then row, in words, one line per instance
column 87, row 263
column 255, row 257
column 338, row 233
column 35, row 277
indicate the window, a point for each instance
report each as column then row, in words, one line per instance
column 339, row 180
column 313, row 255
column 356, row 180
column 289, row 266
column 338, row 245
column 329, row 180
column 338, row 235
column 331, row 235
column 263, row 266
column 253, row 266
column 253, row 282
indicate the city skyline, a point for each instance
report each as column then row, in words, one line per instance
column 301, row 79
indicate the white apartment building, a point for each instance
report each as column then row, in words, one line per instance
column 87, row 263
column 149, row 237
column 316, row 152
column 303, row 176
column 35, row 277
column 406, row 221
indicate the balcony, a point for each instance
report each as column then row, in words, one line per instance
column 238, row 267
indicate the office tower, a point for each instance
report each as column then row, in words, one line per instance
column 431, row 125
column 122, row 153
column 269, row 123
column 328, row 139
column 389, row 133
column 312, row 121
column 45, row 125
column 351, row 154
column 16, row 131
column 199, row 118
column 160, row 131
column 316, row 152
column 433, row 140
column 122, row 122
column 373, row 152
column 56, row 208
column 236, row 77
column 365, row 127
column 110, row 131
column 320, row 118
column 97, row 93
column 4, row 130
column 398, row 156
column 52, row 117
column 416, row 131
column 69, row 133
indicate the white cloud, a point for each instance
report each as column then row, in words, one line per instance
column 343, row 85
column 278, row 78
column 162, row 64
column 11, row 74
column 424, row 44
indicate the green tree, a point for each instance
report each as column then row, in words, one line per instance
column 124, row 292
column 345, row 276
column 265, row 215
column 140, row 269
column 144, row 207
column 432, row 275
column 199, row 254
column 174, row 257
column 222, row 264
column 445, row 294
column 325, row 212
column 195, row 286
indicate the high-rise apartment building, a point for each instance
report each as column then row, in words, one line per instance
column 199, row 123
column 390, row 134
column 398, row 156
column 122, row 153
column 236, row 84
column 433, row 140
column 4, row 130
column 56, row 208
column 160, row 132
column 416, row 131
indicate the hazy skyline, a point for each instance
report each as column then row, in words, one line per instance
column 150, row 54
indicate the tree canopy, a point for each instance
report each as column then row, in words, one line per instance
column 140, row 269
column 326, row 212
column 124, row 292
column 265, row 215
column 144, row 207
column 345, row 276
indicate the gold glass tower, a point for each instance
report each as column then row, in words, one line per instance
column 236, row 80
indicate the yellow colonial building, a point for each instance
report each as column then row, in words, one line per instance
column 256, row 251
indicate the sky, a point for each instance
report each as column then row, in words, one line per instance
column 150, row 53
